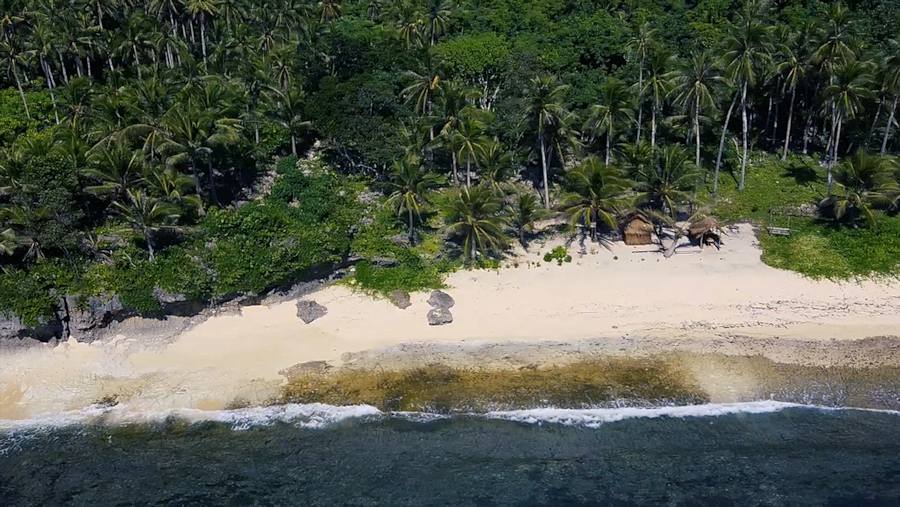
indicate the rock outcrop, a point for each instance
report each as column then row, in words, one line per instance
column 400, row 299
column 440, row 299
column 309, row 311
column 439, row 317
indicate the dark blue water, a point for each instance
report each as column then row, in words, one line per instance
column 796, row 456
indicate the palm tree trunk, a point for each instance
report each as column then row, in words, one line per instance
column 468, row 171
column 293, row 145
column 640, row 101
column 137, row 60
column 834, row 157
column 875, row 120
column 787, row 133
column 196, row 178
column 887, row 128
column 609, row 134
column 722, row 143
column 544, row 167
column 653, row 127
column 697, row 129
column 453, row 165
column 203, row 38
column 48, row 75
column 745, row 127
column 210, row 176
column 412, row 236
column 148, row 236
column 21, row 91
column 62, row 65
column 806, row 128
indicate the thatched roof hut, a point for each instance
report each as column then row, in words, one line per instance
column 706, row 231
column 637, row 229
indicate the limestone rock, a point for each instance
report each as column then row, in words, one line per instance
column 309, row 311
column 440, row 299
column 439, row 317
column 400, row 299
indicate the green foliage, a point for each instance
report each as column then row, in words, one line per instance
column 14, row 123
column 471, row 57
column 32, row 295
column 822, row 251
column 558, row 254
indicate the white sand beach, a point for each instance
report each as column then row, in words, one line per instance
column 626, row 300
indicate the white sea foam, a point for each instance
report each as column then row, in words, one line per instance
column 594, row 417
column 312, row 415
column 318, row 415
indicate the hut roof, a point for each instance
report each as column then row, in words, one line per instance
column 704, row 225
column 637, row 221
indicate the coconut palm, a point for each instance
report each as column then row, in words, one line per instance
column 202, row 11
column 438, row 14
column 115, row 169
column 641, row 46
column 524, row 211
column 496, row 165
column 469, row 138
column 892, row 85
column 595, row 195
column 409, row 187
column 147, row 216
column 695, row 84
column 330, row 10
column 863, row 181
column 545, row 112
column 793, row 66
column 671, row 181
column 851, row 85
column 746, row 51
column 614, row 110
column 657, row 86
column 287, row 111
column 474, row 218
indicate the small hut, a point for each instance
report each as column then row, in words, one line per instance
column 706, row 231
column 637, row 229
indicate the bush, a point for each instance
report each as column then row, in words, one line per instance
column 558, row 254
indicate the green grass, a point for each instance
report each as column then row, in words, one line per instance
column 821, row 250
column 772, row 188
column 775, row 192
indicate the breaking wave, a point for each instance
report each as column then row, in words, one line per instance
column 318, row 415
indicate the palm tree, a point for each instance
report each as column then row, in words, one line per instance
column 792, row 65
column 524, row 212
column 438, row 13
column 614, row 109
column 658, row 86
column 147, row 216
column 329, row 10
column 469, row 138
column 747, row 49
column 545, row 110
column 641, row 45
column 892, row 85
column 863, row 181
column 287, row 111
column 12, row 59
column 595, row 195
column 496, row 165
column 116, row 169
column 852, row 84
column 422, row 90
column 474, row 217
column 663, row 186
column 695, row 85
column 410, row 185
column 191, row 136
column 203, row 10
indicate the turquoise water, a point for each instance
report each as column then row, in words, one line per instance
column 779, row 456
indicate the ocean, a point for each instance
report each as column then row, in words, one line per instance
column 758, row 453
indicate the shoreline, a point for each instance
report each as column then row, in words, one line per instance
column 623, row 302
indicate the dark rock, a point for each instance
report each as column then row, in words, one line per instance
column 309, row 311
column 166, row 297
column 14, row 332
column 96, row 311
column 384, row 262
column 400, row 299
column 400, row 239
column 439, row 317
column 440, row 299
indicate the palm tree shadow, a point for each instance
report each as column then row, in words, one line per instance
column 802, row 172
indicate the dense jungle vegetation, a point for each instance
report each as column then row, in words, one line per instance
column 213, row 148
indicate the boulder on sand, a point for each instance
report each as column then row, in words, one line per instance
column 439, row 317
column 309, row 311
column 440, row 299
column 400, row 299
